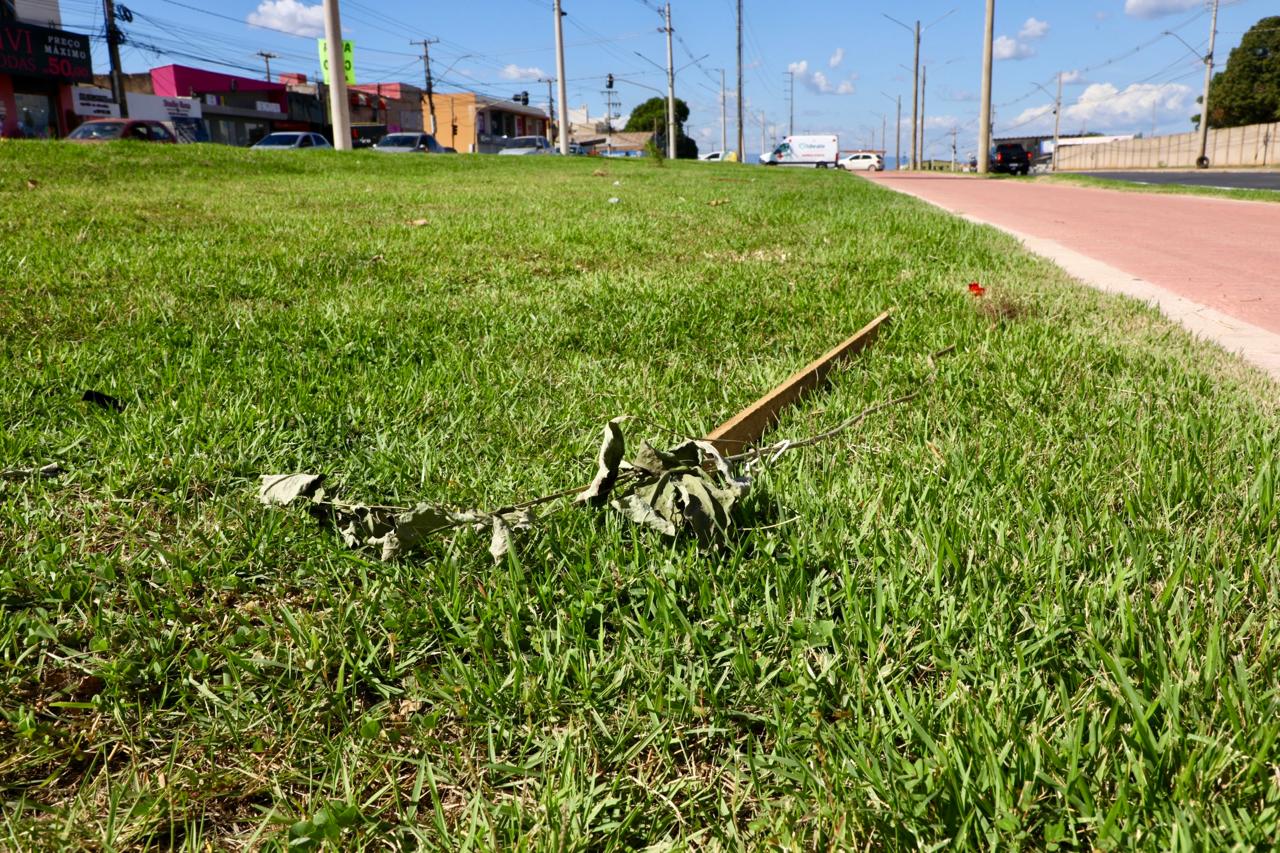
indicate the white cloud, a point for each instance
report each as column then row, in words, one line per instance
column 515, row 72
column 818, row 82
column 1034, row 28
column 836, row 58
column 1102, row 106
column 1007, row 48
column 290, row 16
column 1157, row 8
column 1069, row 77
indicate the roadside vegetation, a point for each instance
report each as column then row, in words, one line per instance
column 1169, row 189
column 1036, row 606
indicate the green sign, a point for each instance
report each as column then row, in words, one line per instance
column 348, row 63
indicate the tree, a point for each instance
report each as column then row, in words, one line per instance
column 1248, row 90
column 651, row 116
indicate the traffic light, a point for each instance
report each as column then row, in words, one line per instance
column 608, row 82
column 522, row 98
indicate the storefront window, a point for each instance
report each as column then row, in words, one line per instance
column 35, row 113
column 480, row 123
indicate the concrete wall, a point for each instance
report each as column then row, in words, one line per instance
column 1229, row 147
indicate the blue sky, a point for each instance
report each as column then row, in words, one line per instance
column 1123, row 74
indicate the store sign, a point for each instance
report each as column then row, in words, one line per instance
column 157, row 108
column 94, row 102
column 42, row 52
column 267, row 107
column 348, row 60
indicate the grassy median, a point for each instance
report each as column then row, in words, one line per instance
column 1036, row 606
column 1087, row 180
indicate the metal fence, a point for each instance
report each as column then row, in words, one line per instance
column 1250, row 145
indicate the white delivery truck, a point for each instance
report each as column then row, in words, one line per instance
column 818, row 151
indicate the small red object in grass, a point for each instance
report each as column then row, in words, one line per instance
column 976, row 289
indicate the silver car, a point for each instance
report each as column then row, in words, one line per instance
column 292, row 140
column 409, row 143
column 529, row 145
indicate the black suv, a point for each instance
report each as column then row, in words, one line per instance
column 1011, row 158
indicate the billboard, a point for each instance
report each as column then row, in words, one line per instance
column 41, row 52
column 92, row 102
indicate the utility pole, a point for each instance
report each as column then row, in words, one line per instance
column 551, row 108
column 763, row 148
column 724, row 126
column 791, row 104
column 267, row 57
column 884, row 126
column 113, row 50
column 954, row 131
column 742, row 155
column 915, row 100
column 1202, row 162
column 564, row 137
column 339, row 106
column 426, row 71
column 924, row 78
column 671, row 91
column 1057, row 122
column 984, row 115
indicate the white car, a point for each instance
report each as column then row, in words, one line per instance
column 714, row 156
column 528, row 145
column 862, row 161
column 292, row 140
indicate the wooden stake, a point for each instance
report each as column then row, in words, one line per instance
column 747, row 427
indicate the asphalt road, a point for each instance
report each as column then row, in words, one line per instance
column 1220, row 180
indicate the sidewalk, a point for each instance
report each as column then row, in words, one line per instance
column 1211, row 264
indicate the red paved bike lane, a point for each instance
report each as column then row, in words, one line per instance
column 1217, row 252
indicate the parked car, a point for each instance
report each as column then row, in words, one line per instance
column 578, row 150
column 862, row 161
column 109, row 129
column 817, row 151
column 713, row 157
column 519, row 145
column 1012, row 158
column 292, row 139
column 409, row 143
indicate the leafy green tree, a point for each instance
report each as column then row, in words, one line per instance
column 652, row 114
column 1248, row 90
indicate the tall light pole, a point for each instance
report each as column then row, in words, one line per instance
column 915, row 84
column 897, row 148
column 267, row 56
column 741, row 153
column 339, row 106
column 1202, row 162
column 1057, row 116
column 671, row 91
column 560, row 81
column 791, row 104
column 984, row 115
column 724, row 126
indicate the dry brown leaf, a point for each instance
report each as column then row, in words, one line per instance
column 716, row 202
column 32, row 183
column 418, row 223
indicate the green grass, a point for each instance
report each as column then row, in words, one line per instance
column 1036, row 607
column 1173, row 189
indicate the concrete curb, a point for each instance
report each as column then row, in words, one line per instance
column 1255, row 345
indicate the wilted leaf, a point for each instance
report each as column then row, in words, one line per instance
column 418, row 223
column 716, row 202
column 410, row 528
column 612, row 449
column 32, row 183
column 280, row 489
column 500, row 544
column 53, row 469
column 641, row 512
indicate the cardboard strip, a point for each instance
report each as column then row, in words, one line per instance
column 749, row 425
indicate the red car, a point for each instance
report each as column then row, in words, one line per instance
column 108, row 129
